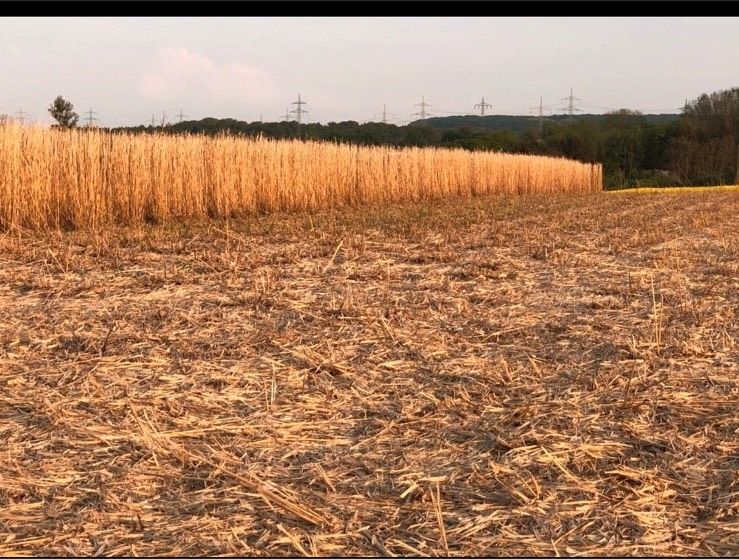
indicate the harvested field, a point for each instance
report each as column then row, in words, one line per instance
column 475, row 376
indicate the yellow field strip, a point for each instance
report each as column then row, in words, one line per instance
column 649, row 190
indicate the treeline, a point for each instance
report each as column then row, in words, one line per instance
column 699, row 146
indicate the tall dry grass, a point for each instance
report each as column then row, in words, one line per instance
column 63, row 179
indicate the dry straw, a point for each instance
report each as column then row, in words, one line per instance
column 89, row 178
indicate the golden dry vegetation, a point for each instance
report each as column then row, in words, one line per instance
column 678, row 189
column 91, row 179
column 483, row 376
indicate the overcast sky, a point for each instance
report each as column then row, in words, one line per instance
column 347, row 68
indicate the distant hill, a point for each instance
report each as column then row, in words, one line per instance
column 520, row 123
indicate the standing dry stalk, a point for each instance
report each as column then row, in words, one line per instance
column 90, row 178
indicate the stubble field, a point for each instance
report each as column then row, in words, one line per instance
column 497, row 376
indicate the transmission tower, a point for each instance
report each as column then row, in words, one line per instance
column 541, row 108
column 384, row 115
column 423, row 104
column 300, row 111
column 482, row 105
column 90, row 118
column 180, row 116
column 21, row 115
column 164, row 118
column 571, row 109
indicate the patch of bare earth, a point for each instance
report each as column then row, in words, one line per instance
column 488, row 376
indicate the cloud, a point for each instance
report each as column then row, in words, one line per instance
column 180, row 72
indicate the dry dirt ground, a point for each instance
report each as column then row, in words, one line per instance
column 490, row 376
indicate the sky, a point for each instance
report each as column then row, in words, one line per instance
column 128, row 69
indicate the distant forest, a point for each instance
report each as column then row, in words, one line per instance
column 700, row 146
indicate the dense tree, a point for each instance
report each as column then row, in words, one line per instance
column 706, row 147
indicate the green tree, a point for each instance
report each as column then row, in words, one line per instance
column 63, row 113
column 706, row 150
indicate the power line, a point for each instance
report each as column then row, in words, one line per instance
column 613, row 109
column 300, row 111
column 482, row 105
column 423, row 110
column 571, row 109
column 423, row 104
column 599, row 107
